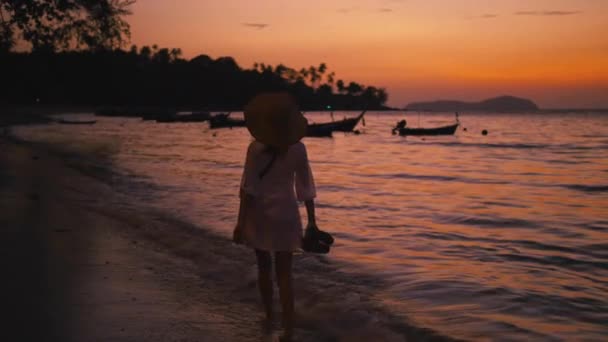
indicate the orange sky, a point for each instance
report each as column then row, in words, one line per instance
column 553, row 51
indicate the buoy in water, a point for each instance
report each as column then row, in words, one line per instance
column 357, row 132
column 484, row 132
column 464, row 129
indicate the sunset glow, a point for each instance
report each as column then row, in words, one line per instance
column 553, row 51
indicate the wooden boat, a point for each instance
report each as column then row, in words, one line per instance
column 327, row 128
column 77, row 122
column 224, row 121
column 194, row 117
column 146, row 113
column 318, row 131
column 444, row 130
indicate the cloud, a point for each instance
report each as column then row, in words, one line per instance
column 547, row 13
column 346, row 10
column 483, row 16
column 385, row 10
column 259, row 26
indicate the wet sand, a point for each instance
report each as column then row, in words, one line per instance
column 75, row 274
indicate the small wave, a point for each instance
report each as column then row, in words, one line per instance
column 504, row 204
column 372, row 208
column 587, row 188
column 596, row 226
column 556, row 260
column 488, row 145
column 434, row 178
column 584, row 309
column 486, row 221
column 566, row 162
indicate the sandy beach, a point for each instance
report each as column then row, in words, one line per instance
column 75, row 273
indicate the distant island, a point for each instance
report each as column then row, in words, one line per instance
column 498, row 104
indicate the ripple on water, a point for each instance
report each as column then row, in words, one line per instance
column 494, row 221
column 587, row 188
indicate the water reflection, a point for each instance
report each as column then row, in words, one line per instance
column 475, row 235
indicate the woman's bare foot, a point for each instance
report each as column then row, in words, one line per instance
column 267, row 325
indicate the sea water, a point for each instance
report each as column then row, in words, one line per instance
column 475, row 237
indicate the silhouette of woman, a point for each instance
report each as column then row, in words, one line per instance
column 269, row 219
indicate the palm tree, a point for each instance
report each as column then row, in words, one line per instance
column 322, row 68
column 354, row 88
column 145, row 52
column 175, row 54
column 314, row 75
column 330, row 79
column 285, row 72
column 321, row 71
column 340, row 85
column 382, row 96
column 303, row 74
column 280, row 69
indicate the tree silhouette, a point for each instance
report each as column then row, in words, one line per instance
column 354, row 88
column 160, row 77
column 64, row 24
column 340, row 86
column 330, row 78
column 313, row 75
column 382, row 96
column 320, row 73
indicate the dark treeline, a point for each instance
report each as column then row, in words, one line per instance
column 160, row 77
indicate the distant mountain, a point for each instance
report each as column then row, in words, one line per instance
column 498, row 104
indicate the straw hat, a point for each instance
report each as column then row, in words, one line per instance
column 274, row 119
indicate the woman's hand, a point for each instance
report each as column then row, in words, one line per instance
column 312, row 226
column 310, row 210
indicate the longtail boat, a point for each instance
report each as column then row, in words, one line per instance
column 327, row 128
column 443, row 130
column 224, row 121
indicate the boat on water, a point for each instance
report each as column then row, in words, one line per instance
column 146, row 113
column 223, row 120
column 327, row 128
column 76, row 122
column 442, row 130
column 194, row 117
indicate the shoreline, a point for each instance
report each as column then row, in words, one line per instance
column 81, row 275
column 167, row 278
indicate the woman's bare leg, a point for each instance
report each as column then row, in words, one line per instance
column 265, row 280
column 283, row 262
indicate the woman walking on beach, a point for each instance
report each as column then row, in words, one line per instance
column 269, row 219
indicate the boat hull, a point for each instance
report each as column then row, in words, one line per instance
column 445, row 130
column 69, row 122
column 194, row 117
column 223, row 121
column 318, row 131
column 326, row 129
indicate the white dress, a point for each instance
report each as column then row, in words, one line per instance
column 272, row 219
